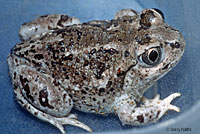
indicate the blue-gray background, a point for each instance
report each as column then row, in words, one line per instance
column 181, row 14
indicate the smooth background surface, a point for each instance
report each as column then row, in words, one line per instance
column 184, row 78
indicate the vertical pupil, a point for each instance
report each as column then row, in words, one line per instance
column 153, row 55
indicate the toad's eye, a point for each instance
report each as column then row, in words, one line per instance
column 159, row 12
column 151, row 57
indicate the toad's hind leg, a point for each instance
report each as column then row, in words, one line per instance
column 44, row 24
column 35, row 93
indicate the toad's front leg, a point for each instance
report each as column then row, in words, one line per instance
column 150, row 111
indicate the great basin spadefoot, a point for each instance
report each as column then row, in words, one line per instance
column 98, row 67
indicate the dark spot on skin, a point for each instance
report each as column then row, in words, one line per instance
column 26, row 52
column 120, row 72
column 28, row 93
column 43, row 98
column 31, row 41
column 70, row 95
column 21, row 55
column 126, row 53
column 109, row 84
column 62, row 49
column 94, row 99
column 111, row 51
column 53, row 64
column 83, row 76
column 76, row 73
column 125, row 20
column 56, row 83
column 64, row 69
column 100, row 51
column 69, row 57
column 112, row 89
column 114, row 22
column 38, row 64
column 32, row 46
column 61, row 43
column 15, row 86
column 16, row 60
column 17, row 48
column 50, row 28
column 32, row 51
column 157, row 114
column 99, row 70
column 140, row 118
column 150, row 116
column 120, row 40
column 101, row 90
column 79, row 34
column 173, row 45
column 60, row 62
column 106, row 58
column 25, row 86
column 62, row 19
column 50, row 48
column 64, row 96
column 166, row 66
column 83, row 92
column 130, row 21
column 77, row 60
column 20, row 101
column 89, row 105
column 15, row 75
column 23, row 80
column 93, row 51
column 86, row 62
column 66, row 76
column 36, row 113
column 38, row 56
column 87, row 89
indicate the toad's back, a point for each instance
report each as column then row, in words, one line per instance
column 89, row 61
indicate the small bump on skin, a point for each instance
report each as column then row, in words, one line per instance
column 144, row 40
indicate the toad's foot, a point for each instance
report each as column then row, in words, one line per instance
column 151, row 110
column 163, row 105
column 69, row 120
